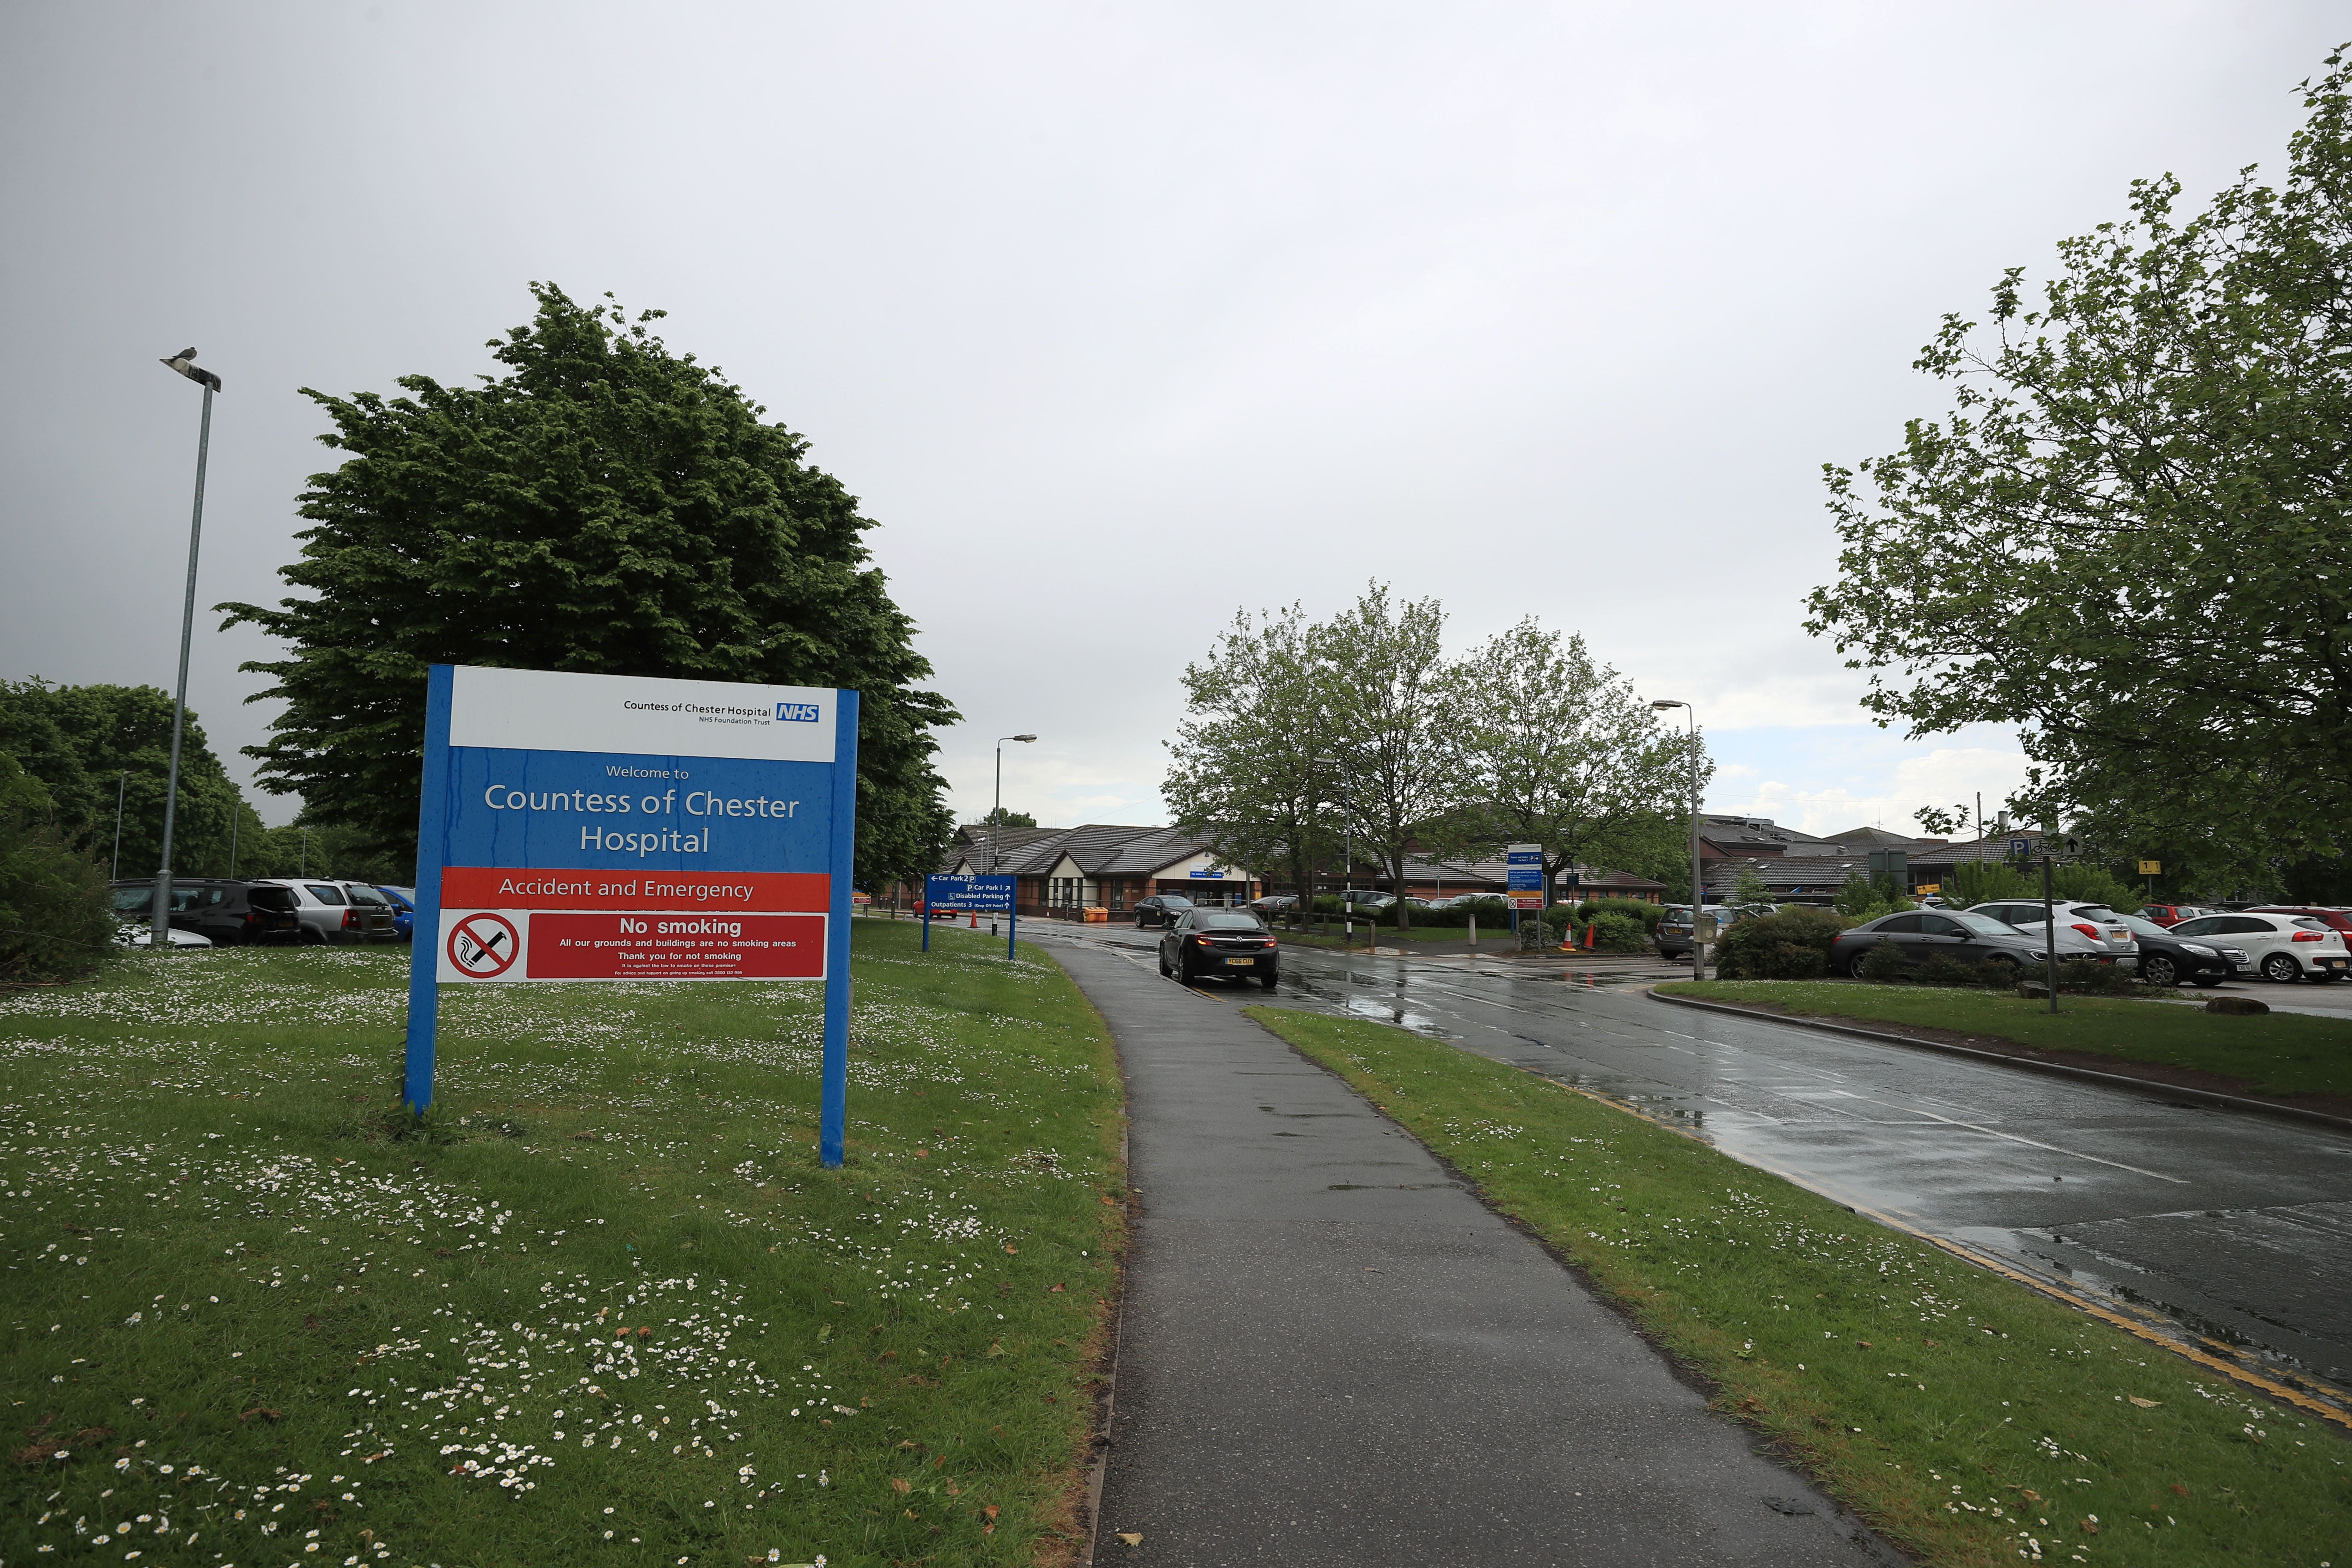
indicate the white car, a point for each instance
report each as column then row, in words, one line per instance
column 2095, row 923
column 144, row 936
column 2276, row 947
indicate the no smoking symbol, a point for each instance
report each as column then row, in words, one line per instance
column 483, row 945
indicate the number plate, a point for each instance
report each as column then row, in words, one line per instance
column 1242, row 963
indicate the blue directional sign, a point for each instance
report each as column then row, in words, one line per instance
column 2021, row 849
column 1523, row 875
column 969, row 894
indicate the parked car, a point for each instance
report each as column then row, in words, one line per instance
column 226, row 913
column 1273, row 903
column 2166, row 958
column 2277, row 947
column 144, row 936
column 2173, row 914
column 1366, row 898
column 404, row 909
column 1161, row 909
column 2094, row 922
column 1672, row 932
column 1920, row 935
column 1230, row 943
column 338, row 911
column 2326, row 914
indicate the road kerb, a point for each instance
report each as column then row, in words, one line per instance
column 2030, row 1064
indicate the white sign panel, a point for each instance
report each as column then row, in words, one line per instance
column 544, row 710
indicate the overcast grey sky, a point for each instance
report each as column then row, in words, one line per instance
column 1118, row 318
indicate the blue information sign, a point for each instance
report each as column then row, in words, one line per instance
column 969, row 894
column 599, row 827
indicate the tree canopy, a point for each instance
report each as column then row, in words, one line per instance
column 604, row 506
column 79, row 742
column 2129, row 535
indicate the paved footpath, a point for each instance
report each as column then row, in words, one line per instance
column 1333, row 1354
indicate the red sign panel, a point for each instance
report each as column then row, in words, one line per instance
column 736, row 892
column 672, row 944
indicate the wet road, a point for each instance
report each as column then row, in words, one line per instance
column 2237, row 1226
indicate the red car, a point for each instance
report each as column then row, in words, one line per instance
column 2171, row 915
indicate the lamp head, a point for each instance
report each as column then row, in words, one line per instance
column 184, row 361
column 1665, row 702
column 1024, row 737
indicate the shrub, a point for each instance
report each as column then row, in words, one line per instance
column 1740, row 954
column 1883, row 962
column 1943, row 969
column 56, row 921
column 1616, row 933
column 1647, row 913
column 2100, row 979
column 1784, row 961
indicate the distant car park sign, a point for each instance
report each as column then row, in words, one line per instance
column 1523, row 875
column 967, row 893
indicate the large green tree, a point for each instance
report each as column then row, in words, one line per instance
column 2129, row 537
column 87, row 743
column 603, row 506
column 1248, row 770
column 1394, row 723
column 1559, row 751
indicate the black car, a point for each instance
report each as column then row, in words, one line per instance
column 2169, row 960
column 231, row 914
column 1161, row 909
column 1230, row 943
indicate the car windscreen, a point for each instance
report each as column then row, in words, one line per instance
column 362, row 894
column 269, row 897
column 135, row 901
column 1983, row 925
column 1213, row 921
column 2139, row 927
column 1169, row 901
column 2098, row 912
column 2307, row 923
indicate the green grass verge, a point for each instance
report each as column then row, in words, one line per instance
column 605, row 1307
column 2275, row 1053
column 1968, row 1418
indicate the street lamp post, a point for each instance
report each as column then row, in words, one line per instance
column 1348, row 854
column 996, row 813
column 122, row 782
column 160, row 937
column 1698, row 890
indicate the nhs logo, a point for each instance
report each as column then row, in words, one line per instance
column 796, row 713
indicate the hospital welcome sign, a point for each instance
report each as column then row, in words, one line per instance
column 596, row 827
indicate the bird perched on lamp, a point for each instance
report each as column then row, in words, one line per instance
column 184, row 361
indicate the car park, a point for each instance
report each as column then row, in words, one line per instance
column 224, row 911
column 2095, row 923
column 403, row 910
column 1230, row 943
column 1161, row 909
column 2283, row 948
column 1964, row 935
column 332, row 912
column 2166, row 958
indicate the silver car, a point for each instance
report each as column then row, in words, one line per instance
column 2094, row 922
column 1921, row 935
column 333, row 912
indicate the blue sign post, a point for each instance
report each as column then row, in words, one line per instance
column 598, row 827
column 1523, row 879
column 975, row 895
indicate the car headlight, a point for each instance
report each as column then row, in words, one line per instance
column 2037, row 957
column 2236, row 955
column 2199, row 949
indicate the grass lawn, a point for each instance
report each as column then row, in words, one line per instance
column 2273, row 1053
column 608, row 1310
column 1968, row 1419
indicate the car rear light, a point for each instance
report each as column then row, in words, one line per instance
column 2309, row 936
column 2091, row 931
column 351, row 920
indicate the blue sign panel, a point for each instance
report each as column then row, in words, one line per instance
column 975, row 896
column 969, row 894
column 595, row 828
